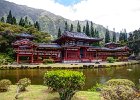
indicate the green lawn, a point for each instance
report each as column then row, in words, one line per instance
column 39, row 92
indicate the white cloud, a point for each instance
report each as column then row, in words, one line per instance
column 112, row 13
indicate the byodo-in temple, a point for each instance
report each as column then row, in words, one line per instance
column 70, row 47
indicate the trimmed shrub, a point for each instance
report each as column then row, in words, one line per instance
column 120, row 92
column 48, row 61
column 4, row 85
column 65, row 82
column 110, row 59
column 115, row 82
column 23, row 83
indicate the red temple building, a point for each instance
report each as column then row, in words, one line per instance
column 70, row 47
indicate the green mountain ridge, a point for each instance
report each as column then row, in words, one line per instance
column 49, row 22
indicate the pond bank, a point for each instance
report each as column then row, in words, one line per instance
column 70, row 65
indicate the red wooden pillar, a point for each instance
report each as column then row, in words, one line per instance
column 44, row 55
column 32, row 58
column 51, row 54
column 78, row 54
column 85, row 53
column 31, row 54
column 96, row 55
column 37, row 57
column 66, row 54
column 17, row 58
column 18, row 55
column 56, row 57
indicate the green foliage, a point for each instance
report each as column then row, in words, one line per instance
column 23, row 83
column 134, row 42
column 115, row 82
column 9, row 32
column 4, row 85
column 123, row 36
column 119, row 92
column 5, row 59
column 48, row 61
column 97, row 87
column 110, row 59
column 65, row 82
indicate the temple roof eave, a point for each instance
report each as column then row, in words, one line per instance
column 79, row 39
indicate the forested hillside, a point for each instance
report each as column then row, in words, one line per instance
column 49, row 22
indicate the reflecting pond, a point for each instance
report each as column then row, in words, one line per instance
column 93, row 76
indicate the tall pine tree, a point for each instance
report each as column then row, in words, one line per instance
column 2, row 19
column 26, row 21
column 59, row 33
column 84, row 29
column 9, row 18
column 78, row 27
column 66, row 26
column 125, row 35
column 92, row 30
column 22, row 22
column 96, row 33
column 71, row 28
column 107, row 36
column 14, row 21
column 114, row 36
column 36, row 25
column 87, row 29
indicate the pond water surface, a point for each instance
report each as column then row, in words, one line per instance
column 93, row 76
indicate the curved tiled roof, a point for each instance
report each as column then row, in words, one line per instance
column 77, row 35
column 112, row 43
column 25, row 35
column 23, row 41
column 114, row 49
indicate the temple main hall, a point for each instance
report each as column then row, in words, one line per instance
column 70, row 47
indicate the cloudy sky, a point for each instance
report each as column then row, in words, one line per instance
column 116, row 14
